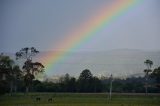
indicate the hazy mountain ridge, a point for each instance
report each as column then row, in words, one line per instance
column 121, row 62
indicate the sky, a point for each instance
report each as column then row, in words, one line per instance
column 45, row 23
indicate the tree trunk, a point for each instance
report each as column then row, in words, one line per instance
column 15, row 88
column 27, row 89
column 146, row 90
column 110, row 91
column 11, row 87
column 146, row 85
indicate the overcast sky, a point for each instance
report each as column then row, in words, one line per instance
column 44, row 23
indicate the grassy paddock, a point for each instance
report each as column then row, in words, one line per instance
column 79, row 99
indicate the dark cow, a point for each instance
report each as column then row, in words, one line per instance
column 50, row 99
column 38, row 99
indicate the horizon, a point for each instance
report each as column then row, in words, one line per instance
column 120, row 62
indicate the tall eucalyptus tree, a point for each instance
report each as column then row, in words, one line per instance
column 30, row 68
column 149, row 64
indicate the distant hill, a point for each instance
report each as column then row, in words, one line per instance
column 121, row 62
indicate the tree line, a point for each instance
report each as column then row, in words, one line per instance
column 16, row 79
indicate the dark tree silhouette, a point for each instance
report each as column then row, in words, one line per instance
column 86, row 74
column 85, row 81
column 149, row 64
column 5, row 66
column 30, row 68
column 156, row 75
column 9, row 72
column 16, row 76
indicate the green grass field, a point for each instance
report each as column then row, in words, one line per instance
column 77, row 99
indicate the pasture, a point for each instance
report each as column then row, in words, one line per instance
column 79, row 99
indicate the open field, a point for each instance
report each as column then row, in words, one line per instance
column 77, row 99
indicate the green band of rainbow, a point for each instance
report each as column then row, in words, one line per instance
column 88, row 30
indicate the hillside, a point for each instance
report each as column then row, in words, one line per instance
column 121, row 62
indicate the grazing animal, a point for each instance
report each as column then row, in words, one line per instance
column 50, row 100
column 38, row 99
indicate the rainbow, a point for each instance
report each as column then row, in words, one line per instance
column 87, row 31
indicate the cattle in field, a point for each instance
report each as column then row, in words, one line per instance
column 50, row 99
column 38, row 99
